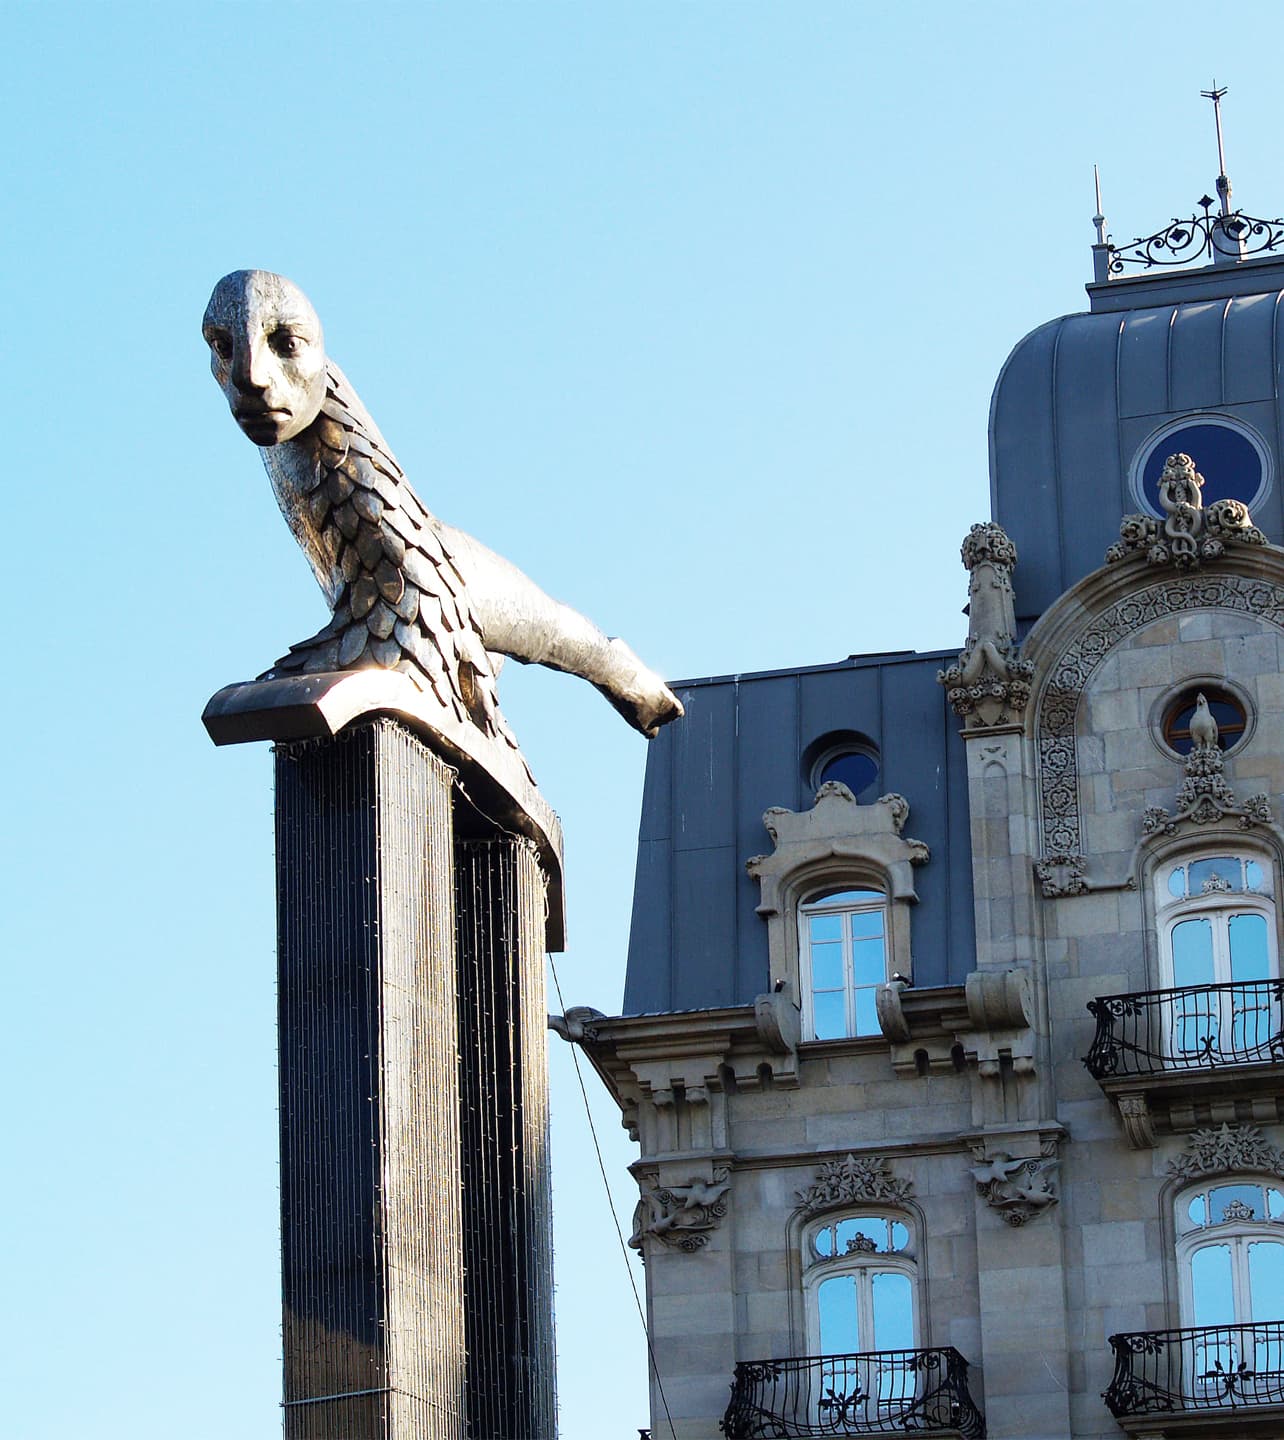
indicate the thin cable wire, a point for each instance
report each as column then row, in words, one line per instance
column 601, row 1165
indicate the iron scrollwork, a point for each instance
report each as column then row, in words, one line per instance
column 1183, row 242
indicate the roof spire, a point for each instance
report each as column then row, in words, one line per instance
column 1099, row 220
column 1223, row 183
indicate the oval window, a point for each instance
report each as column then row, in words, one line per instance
column 1231, row 459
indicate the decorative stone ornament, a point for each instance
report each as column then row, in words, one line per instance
column 1189, row 534
column 1061, row 875
column 990, row 684
column 681, row 1216
column 1226, row 1149
column 1205, row 796
column 1017, row 1188
column 853, row 1180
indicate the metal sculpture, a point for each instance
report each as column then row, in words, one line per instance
column 407, row 592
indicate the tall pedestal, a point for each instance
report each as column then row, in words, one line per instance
column 418, row 888
column 508, row 1249
column 371, row 1229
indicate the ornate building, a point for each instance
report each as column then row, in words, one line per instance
column 953, row 1035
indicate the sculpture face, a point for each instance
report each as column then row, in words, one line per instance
column 267, row 353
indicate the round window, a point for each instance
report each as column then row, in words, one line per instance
column 1233, row 460
column 1226, row 709
column 853, row 768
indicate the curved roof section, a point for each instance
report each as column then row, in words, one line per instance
column 697, row 941
column 1082, row 396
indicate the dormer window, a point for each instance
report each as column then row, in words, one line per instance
column 843, row 945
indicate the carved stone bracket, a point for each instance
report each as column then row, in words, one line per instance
column 1058, row 746
column 1205, row 796
column 853, row 1180
column 1138, row 1122
column 681, row 1216
column 1188, row 535
column 991, row 1027
column 1018, row 1187
column 989, row 685
column 1227, row 1148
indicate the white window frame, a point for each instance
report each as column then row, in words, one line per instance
column 1237, row 1235
column 1219, row 907
column 863, row 1265
column 823, row 901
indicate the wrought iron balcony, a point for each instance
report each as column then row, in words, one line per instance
column 879, row 1392
column 1201, row 1375
column 1199, row 1027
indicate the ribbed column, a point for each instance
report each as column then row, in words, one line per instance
column 508, row 1249
column 370, row 1183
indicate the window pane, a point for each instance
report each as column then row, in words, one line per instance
column 1177, row 882
column 869, row 1231
column 827, row 966
column 1198, row 1209
column 893, row 1311
column 1210, row 1274
column 900, row 1235
column 824, row 1241
column 1253, row 875
column 868, row 965
column 1250, row 958
column 830, row 1014
column 1265, row 1280
column 867, row 922
column 836, row 1302
column 1193, row 952
column 1274, row 1204
column 1224, row 871
column 1238, row 1198
column 1197, row 1022
column 866, row 1012
column 825, row 927
column 845, row 897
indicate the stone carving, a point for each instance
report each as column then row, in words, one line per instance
column 990, row 684
column 577, row 1026
column 1061, row 875
column 681, row 1216
column 1237, row 1210
column 1188, row 534
column 1017, row 1188
column 853, row 1180
column 1227, row 1148
column 1205, row 795
column 1058, row 752
column 1138, row 1122
column 407, row 592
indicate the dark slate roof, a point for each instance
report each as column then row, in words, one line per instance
column 696, row 939
column 1080, row 397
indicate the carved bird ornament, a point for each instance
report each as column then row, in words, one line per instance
column 406, row 591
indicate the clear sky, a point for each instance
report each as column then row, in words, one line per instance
column 692, row 310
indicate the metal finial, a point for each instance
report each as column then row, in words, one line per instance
column 1099, row 219
column 1223, row 183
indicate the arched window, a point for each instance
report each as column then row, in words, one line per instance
column 861, row 1283
column 1217, row 933
column 843, row 946
column 1230, row 1255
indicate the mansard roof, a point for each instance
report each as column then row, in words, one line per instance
column 1082, row 397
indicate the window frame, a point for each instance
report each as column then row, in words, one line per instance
column 818, row 901
column 863, row 1264
column 1238, row 1234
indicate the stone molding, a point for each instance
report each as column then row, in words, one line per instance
column 681, row 1217
column 836, row 840
column 988, row 1020
column 853, row 1180
column 1226, row 1149
column 989, row 684
column 1060, row 819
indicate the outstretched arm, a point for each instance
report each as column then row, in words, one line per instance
column 517, row 618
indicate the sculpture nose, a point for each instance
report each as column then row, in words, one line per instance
column 247, row 370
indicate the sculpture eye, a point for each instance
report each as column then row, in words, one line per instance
column 222, row 346
column 285, row 343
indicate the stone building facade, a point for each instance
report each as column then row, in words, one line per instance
column 953, row 1036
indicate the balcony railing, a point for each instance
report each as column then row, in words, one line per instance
column 875, row 1393
column 1206, row 1368
column 1199, row 1027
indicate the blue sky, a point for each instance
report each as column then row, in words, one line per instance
column 692, row 310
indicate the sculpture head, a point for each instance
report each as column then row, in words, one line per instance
column 267, row 353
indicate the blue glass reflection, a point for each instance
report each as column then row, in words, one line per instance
column 1226, row 458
